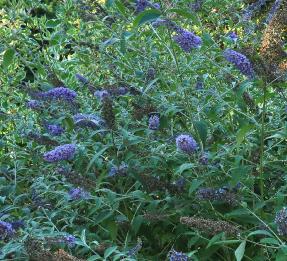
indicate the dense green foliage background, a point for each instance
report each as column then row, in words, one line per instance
column 239, row 124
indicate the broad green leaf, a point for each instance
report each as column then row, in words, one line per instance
column 109, row 251
column 271, row 241
column 213, row 240
column 53, row 23
column 146, row 16
column 242, row 133
column 97, row 155
column 184, row 167
column 260, row 232
column 8, row 57
column 194, row 185
column 239, row 252
column 185, row 14
column 103, row 215
column 201, row 128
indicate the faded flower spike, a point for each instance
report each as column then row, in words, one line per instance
column 222, row 194
column 186, row 143
column 209, row 226
column 78, row 193
column 63, row 152
column 177, row 256
column 240, row 61
column 54, row 129
column 153, row 122
column 281, row 221
column 60, row 93
column 187, row 40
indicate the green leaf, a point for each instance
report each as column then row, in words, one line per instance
column 97, row 155
column 103, row 215
column 260, row 232
column 146, row 16
column 239, row 252
column 242, row 133
column 214, row 239
column 185, row 14
column 8, row 57
column 184, row 167
column 53, row 23
column 109, row 251
column 271, row 241
column 201, row 128
column 194, row 185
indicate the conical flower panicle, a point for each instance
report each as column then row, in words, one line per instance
column 108, row 113
column 209, row 226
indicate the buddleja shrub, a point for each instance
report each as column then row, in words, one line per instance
column 143, row 130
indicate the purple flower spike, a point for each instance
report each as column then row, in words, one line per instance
column 153, row 122
column 70, row 240
column 33, row 104
column 18, row 224
column 233, row 36
column 6, row 229
column 54, row 129
column 141, row 5
column 78, row 193
column 101, row 94
column 186, row 143
column 60, row 93
column 81, row 78
column 88, row 120
column 177, row 256
column 240, row 61
column 63, row 152
column 118, row 171
column 187, row 40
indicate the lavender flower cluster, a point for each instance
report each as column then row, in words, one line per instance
column 63, row 152
column 54, row 129
column 33, row 104
column 177, row 256
column 60, row 93
column 132, row 252
column 186, row 143
column 240, row 61
column 118, row 171
column 281, row 221
column 8, row 229
column 187, row 40
column 81, row 78
column 153, row 122
column 78, row 193
column 88, row 120
column 141, row 5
